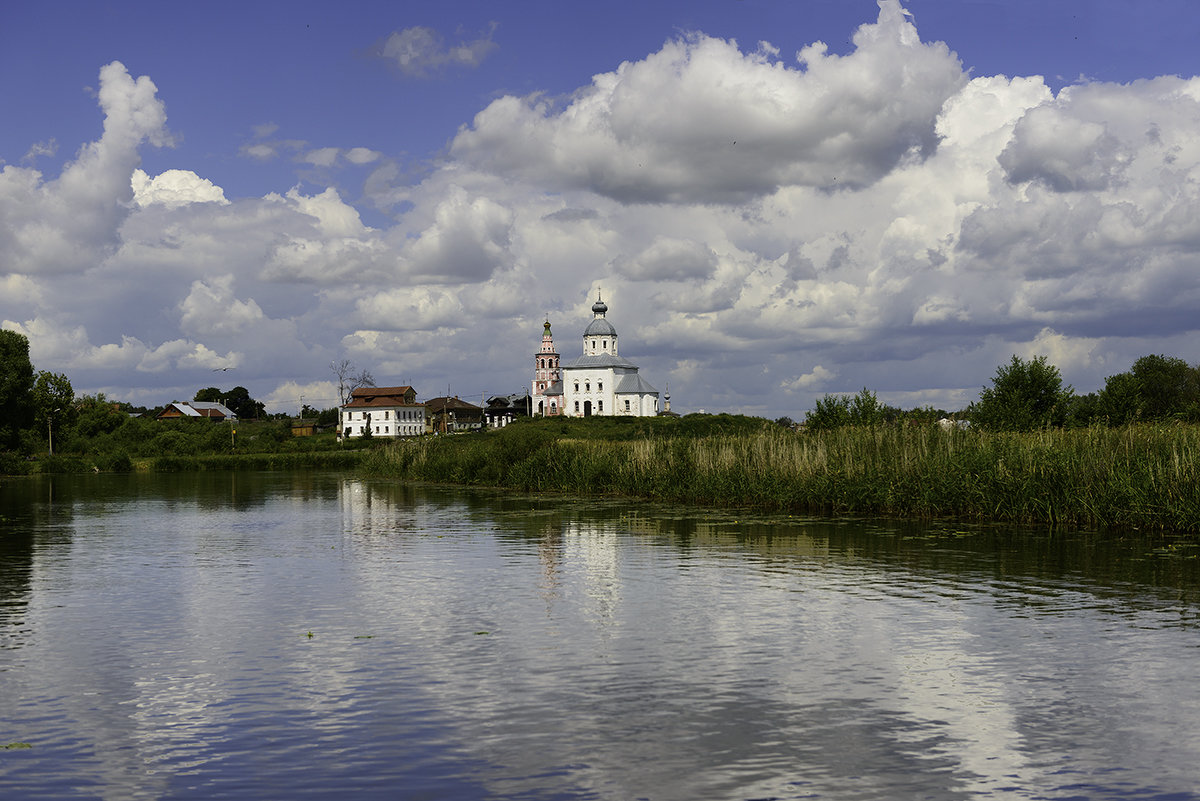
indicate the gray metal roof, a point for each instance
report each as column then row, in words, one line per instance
column 600, row 328
column 198, row 409
column 632, row 383
column 599, row 360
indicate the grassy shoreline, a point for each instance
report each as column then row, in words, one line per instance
column 285, row 460
column 1138, row 477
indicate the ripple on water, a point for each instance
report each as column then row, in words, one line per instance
column 477, row 646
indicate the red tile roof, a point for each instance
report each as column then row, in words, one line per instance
column 378, row 397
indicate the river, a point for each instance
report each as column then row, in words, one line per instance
column 313, row 635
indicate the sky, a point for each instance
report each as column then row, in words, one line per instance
column 776, row 200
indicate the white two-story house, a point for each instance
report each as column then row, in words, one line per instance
column 384, row 412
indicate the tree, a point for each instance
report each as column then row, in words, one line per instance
column 53, row 404
column 348, row 381
column 1085, row 410
column 245, row 407
column 16, row 384
column 1120, row 399
column 865, row 409
column 210, row 395
column 237, row 400
column 1025, row 395
column 1156, row 388
column 1167, row 387
column 98, row 415
column 835, row 411
column 831, row 411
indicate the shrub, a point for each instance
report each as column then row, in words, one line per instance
column 114, row 462
column 64, row 463
column 13, row 464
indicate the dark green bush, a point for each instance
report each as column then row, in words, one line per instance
column 13, row 464
column 64, row 463
column 114, row 462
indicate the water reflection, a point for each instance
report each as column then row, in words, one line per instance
column 291, row 635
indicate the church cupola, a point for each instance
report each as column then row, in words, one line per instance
column 600, row 336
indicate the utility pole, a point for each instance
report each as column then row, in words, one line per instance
column 50, row 430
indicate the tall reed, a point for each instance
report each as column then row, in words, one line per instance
column 1140, row 476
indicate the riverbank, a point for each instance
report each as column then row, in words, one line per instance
column 1137, row 477
column 174, row 463
column 149, row 446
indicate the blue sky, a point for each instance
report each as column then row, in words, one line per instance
column 274, row 186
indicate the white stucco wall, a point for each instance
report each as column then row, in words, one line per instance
column 385, row 421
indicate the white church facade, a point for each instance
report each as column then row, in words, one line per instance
column 599, row 382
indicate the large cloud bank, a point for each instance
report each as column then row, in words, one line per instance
column 766, row 227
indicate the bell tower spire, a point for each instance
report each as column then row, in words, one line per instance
column 546, row 373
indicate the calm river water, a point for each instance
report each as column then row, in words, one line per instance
column 308, row 635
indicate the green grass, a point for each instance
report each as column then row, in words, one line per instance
column 1134, row 477
column 184, row 445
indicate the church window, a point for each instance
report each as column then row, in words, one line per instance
column 626, row 405
column 599, row 406
column 576, row 407
column 606, row 344
column 599, row 386
column 576, row 387
column 587, row 386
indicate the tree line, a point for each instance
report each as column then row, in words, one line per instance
column 1027, row 395
column 40, row 414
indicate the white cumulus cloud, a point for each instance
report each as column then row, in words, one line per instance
column 175, row 188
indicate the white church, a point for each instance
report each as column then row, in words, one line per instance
column 599, row 382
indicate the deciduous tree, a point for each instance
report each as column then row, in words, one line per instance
column 16, row 384
column 1167, row 388
column 1025, row 395
column 237, row 400
column 348, row 380
column 53, row 404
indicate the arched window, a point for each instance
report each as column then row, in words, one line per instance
column 577, row 389
column 587, row 386
column 577, row 407
column 599, row 386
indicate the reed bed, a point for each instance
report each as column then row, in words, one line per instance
column 1135, row 477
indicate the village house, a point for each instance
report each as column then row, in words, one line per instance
column 503, row 409
column 177, row 410
column 383, row 412
column 447, row 415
